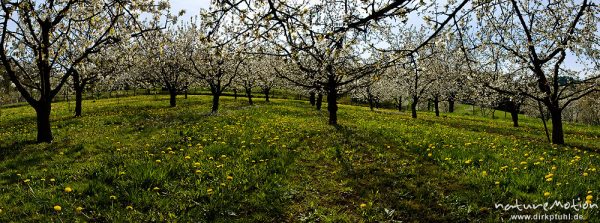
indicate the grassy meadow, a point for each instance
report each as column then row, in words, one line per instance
column 134, row 159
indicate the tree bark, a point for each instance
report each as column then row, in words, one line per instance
column 78, row 101
column 332, row 102
column 413, row 106
column 311, row 98
column 400, row 103
column 173, row 98
column 557, row 127
column 450, row 104
column 235, row 94
column 267, row 91
column 436, row 105
column 44, row 133
column 370, row 102
column 215, row 103
column 319, row 101
column 515, row 117
column 249, row 95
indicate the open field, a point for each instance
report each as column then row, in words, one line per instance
column 135, row 159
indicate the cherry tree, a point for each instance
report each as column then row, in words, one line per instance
column 539, row 37
column 35, row 36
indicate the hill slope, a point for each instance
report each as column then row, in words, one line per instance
column 135, row 159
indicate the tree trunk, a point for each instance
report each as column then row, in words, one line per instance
column 413, row 106
column 450, row 105
column 319, row 101
column 173, row 98
column 215, row 103
column 44, row 133
column 332, row 103
column 400, row 103
column 249, row 95
column 436, row 105
column 370, row 102
column 557, row 127
column 235, row 94
column 267, row 91
column 78, row 101
column 515, row 117
column 311, row 98
column 428, row 104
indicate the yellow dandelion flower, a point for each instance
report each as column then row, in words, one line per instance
column 497, row 183
column 467, row 161
column 52, row 180
column 549, row 179
column 187, row 157
column 363, row 205
column 229, row 178
column 429, row 154
column 589, row 197
column 113, row 197
column 196, row 164
column 26, row 181
column 546, row 194
column 129, row 207
column 78, row 209
column 57, row 208
column 484, row 173
column 157, row 161
column 155, row 189
column 68, row 189
column 553, row 167
column 585, row 174
column 198, row 172
column 588, row 202
column 209, row 191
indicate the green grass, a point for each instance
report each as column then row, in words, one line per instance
column 281, row 162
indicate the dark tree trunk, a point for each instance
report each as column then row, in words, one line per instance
column 215, row 102
column 311, row 98
column 436, row 105
column 332, row 102
column 413, row 106
column 78, row 101
column 319, row 101
column 148, row 91
column 451, row 104
column 515, row 117
column 267, row 91
column 186, row 93
column 399, row 103
column 173, row 98
column 44, row 133
column 370, row 102
column 249, row 95
column 557, row 127
column 428, row 104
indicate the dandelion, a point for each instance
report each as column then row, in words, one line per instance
column 129, row 207
column 155, row 189
column 57, row 208
column 78, row 209
column 122, row 173
column 546, row 194
column 429, row 154
column 209, row 191
column 363, row 205
column 157, row 161
column 585, row 174
column 523, row 163
column 484, row 173
column 229, row 178
column 26, row 181
column 187, row 157
column 497, row 183
column 113, row 197
column 549, row 179
column 52, row 179
column 196, row 164
column 468, row 162
column 68, row 189
column 198, row 172
column 553, row 167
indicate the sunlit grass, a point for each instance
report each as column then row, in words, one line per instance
column 136, row 159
